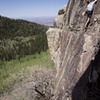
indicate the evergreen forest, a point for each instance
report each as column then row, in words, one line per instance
column 19, row 38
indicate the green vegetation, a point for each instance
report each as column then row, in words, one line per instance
column 9, row 69
column 23, row 45
column 19, row 38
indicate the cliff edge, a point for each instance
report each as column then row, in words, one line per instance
column 76, row 53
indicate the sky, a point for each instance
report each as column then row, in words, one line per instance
column 30, row 8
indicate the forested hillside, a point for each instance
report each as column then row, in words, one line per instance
column 19, row 38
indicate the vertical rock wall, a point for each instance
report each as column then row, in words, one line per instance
column 75, row 52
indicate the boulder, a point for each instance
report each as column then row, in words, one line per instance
column 58, row 22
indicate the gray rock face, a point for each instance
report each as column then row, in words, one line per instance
column 76, row 53
column 58, row 22
column 54, row 36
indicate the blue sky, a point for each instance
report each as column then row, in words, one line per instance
column 30, row 8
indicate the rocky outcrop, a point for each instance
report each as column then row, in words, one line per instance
column 58, row 22
column 76, row 53
column 54, row 41
column 31, row 84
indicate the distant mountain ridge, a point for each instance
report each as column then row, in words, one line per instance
column 42, row 20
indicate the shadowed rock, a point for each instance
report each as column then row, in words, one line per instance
column 77, row 53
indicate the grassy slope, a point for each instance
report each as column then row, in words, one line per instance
column 9, row 69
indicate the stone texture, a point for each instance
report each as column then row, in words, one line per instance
column 54, row 41
column 62, row 10
column 58, row 22
column 76, row 53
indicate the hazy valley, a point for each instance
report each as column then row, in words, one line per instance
column 42, row 20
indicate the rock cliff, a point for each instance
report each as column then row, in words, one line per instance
column 76, row 53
